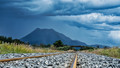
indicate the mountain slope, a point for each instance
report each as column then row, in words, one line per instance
column 48, row 36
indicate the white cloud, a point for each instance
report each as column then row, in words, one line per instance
column 115, row 35
column 98, row 17
column 94, row 3
column 91, row 18
column 101, row 3
column 95, row 21
column 67, row 0
column 105, row 25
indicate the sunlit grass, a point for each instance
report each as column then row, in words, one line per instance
column 12, row 48
column 111, row 52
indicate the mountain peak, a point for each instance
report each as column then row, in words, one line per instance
column 48, row 36
column 38, row 29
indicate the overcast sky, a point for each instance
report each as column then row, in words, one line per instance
column 89, row 21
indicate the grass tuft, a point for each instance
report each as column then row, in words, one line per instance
column 111, row 52
column 12, row 48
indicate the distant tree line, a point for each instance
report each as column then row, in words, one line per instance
column 56, row 45
column 4, row 39
column 60, row 46
column 86, row 48
column 41, row 45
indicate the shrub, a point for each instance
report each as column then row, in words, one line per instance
column 86, row 48
column 0, row 42
column 65, row 48
column 58, row 43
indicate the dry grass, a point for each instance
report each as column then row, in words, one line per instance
column 12, row 48
column 111, row 52
column 46, row 50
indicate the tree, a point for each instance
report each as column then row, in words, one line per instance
column 0, row 42
column 58, row 43
column 65, row 48
column 98, row 46
column 17, row 41
column 9, row 39
column 48, row 45
column 105, row 47
column 2, row 38
column 42, row 45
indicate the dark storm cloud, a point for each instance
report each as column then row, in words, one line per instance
column 93, row 26
column 64, row 7
column 114, row 23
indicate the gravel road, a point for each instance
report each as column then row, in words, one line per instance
column 56, row 61
column 86, row 60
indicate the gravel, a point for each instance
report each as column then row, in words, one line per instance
column 15, row 55
column 86, row 60
column 56, row 61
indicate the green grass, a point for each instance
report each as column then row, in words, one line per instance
column 111, row 52
column 12, row 48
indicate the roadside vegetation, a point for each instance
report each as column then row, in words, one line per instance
column 4, row 39
column 21, row 48
column 111, row 52
column 9, row 45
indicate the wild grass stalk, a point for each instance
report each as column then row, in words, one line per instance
column 12, row 48
column 111, row 52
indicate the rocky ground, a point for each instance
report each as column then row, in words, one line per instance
column 15, row 55
column 86, row 60
column 56, row 61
